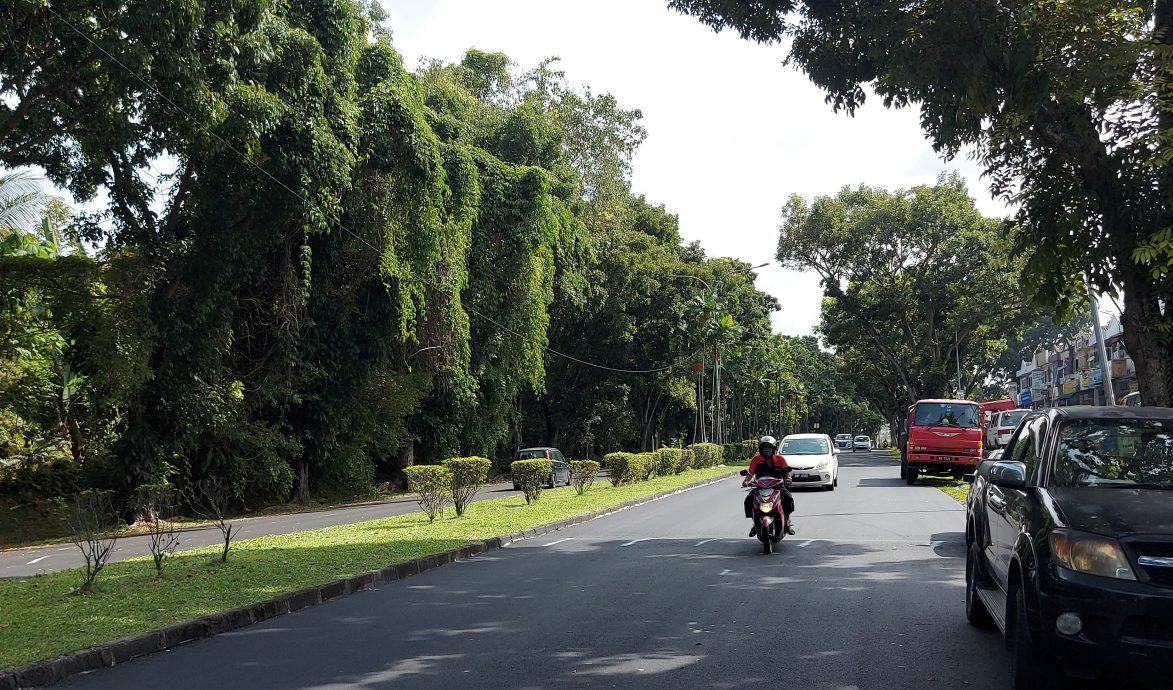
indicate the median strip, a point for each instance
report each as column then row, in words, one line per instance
column 269, row 576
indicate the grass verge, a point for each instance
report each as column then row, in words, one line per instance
column 956, row 488
column 40, row 618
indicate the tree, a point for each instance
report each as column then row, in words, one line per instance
column 917, row 278
column 1068, row 105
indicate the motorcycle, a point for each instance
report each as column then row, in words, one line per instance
column 768, row 516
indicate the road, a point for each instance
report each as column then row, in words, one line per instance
column 46, row 559
column 868, row 595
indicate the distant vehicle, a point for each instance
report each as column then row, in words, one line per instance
column 812, row 458
column 940, row 437
column 1132, row 400
column 990, row 410
column 560, row 474
column 995, row 454
column 1070, row 545
column 843, row 441
column 861, row 443
column 1004, row 425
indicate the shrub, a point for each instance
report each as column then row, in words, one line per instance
column 668, row 461
column 729, row 450
column 687, row 459
column 647, row 466
column 92, row 523
column 210, row 500
column 157, row 505
column 468, row 476
column 433, row 483
column 531, row 476
column 619, row 467
column 707, row 454
column 582, row 474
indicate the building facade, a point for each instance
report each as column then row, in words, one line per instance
column 1069, row 372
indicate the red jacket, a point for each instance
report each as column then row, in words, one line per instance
column 779, row 462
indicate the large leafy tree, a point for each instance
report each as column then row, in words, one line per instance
column 1067, row 104
column 918, row 278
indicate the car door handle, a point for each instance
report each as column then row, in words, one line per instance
column 997, row 503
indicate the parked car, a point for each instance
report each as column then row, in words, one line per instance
column 1070, row 544
column 995, row 454
column 861, row 443
column 843, row 441
column 813, row 459
column 1004, row 425
column 1132, row 399
column 559, row 476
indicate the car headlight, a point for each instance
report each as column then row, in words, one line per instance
column 822, row 464
column 1091, row 554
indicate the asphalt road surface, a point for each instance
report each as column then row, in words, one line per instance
column 868, row 595
column 46, row 559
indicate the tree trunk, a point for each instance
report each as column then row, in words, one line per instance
column 405, row 459
column 1150, row 350
column 302, row 494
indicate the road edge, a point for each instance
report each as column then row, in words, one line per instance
column 57, row 669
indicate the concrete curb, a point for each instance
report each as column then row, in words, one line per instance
column 120, row 651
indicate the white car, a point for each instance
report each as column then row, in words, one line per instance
column 1005, row 424
column 813, row 459
column 861, row 443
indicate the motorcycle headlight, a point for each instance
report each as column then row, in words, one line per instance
column 1091, row 554
column 766, row 507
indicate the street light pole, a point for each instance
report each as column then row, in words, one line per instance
column 1105, row 369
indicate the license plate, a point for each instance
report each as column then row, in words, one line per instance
column 945, row 458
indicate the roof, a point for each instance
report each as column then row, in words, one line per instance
column 1115, row 412
column 946, row 400
column 537, row 448
column 804, row 436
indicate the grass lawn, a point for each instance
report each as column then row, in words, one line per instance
column 40, row 618
column 956, row 488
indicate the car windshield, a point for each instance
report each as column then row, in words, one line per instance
column 1011, row 419
column 862, row 438
column 1124, row 454
column 804, row 446
column 532, row 455
column 946, row 414
column 843, row 437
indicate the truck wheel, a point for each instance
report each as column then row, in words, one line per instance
column 903, row 467
column 1030, row 669
column 910, row 476
column 975, row 609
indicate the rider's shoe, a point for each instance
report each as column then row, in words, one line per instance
column 754, row 531
column 790, row 529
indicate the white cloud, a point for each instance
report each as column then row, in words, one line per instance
column 731, row 131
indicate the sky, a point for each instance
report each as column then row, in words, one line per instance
column 732, row 132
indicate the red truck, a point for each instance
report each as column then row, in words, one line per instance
column 941, row 437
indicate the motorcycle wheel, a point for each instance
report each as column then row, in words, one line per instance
column 779, row 532
column 767, row 545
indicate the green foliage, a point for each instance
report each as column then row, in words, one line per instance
column 531, row 476
column 688, row 460
column 643, row 466
column 622, row 468
column 468, row 476
column 582, row 475
column 707, row 454
column 433, row 484
column 669, row 461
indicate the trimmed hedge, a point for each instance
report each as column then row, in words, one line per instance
column 668, row 461
column 707, row 454
column 530, row 476
column 619, row 465
column 433, row 483
column 582, row 474
column 687, row 459
column 468, row 476
column 645, row 466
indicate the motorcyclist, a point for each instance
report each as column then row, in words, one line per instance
column 768, row 463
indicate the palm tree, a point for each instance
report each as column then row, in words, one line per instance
column 22, row 202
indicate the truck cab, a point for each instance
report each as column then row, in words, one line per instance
column 942, row 437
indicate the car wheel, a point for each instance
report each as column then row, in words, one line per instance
column 1030, row 669
column 836, row 482
column 975, row 609
column 553, row 481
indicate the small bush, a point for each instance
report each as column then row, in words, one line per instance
column 210, row 500
column 157, row 505
column 668, row 461
column 687, row 459
column 646, row 466
column 707, row 454
column 433, row 484
column 93, row 525
column 468, row 476
column 619, row 468
column 582, row 474
column 531, row 476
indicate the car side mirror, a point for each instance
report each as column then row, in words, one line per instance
column 1009, row 474
column 744, row 473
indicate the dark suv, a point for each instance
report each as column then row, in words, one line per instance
column 1070, row 540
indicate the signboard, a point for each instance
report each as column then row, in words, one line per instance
column 1025, row 398
column 1084, row 381
column 1013, row 388
column 1036, row 380
column 1096, row 376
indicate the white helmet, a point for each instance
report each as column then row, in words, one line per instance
column 768, row 441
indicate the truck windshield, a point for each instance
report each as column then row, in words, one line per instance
column 946, row 414
column 1128, row 454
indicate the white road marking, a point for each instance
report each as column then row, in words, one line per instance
column 636, row 541
column 559, row 541
column 725, row 572
column 807, row 543
column 36, row 560
column 704, row 541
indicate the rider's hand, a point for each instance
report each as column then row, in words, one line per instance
column 745, row 482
